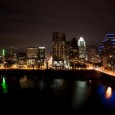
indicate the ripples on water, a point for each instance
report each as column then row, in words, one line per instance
column 57, row 94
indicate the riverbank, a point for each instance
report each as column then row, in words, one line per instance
column 55, row 73
column 86, row 74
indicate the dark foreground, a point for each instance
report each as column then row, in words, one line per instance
column 56, row 92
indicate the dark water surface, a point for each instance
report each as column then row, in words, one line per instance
column 38, row 94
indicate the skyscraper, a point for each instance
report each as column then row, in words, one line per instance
column 107, row 51
column 32, row 55
column 59, row 50
column 82, row 48
column 74, row 50
column 41, row 53
column 108, row 45
column 32, row 52
column 92, row 54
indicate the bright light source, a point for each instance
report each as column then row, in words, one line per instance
column 108, row 92
column 3, row 52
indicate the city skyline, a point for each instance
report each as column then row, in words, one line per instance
column 31, row 23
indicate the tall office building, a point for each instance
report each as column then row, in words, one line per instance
column 32, row 55
column 59, row 50
column 74, row 50
column 41, row 54
column 32, row 52
column 108, row 45
column 107, row 51
column 92, row 54
column 82, row 48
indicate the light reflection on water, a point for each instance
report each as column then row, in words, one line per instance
column 107, row 96
column 4, row 84
column 25, row 82
column 80, row 94
column 66, row 92
column 57, row 83
column 108, row 93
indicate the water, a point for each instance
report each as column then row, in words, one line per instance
column 39, row 94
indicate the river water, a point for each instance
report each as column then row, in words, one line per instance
column 56, row 95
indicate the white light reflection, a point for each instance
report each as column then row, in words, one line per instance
column 108, row 93
column 57, row 83
column 80, row 94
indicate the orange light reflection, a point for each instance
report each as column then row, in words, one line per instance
column 108, row 93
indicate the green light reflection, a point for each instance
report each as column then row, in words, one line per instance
column 4, row 85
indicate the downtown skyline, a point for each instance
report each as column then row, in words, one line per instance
column 31, row 23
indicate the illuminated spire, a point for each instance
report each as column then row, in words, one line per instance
column 81, row 40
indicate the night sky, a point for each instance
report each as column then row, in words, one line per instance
column 25, row 23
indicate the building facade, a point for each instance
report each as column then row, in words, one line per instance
column 107, row 51
column 59, row 49
column 92, row 54
column 32, row 55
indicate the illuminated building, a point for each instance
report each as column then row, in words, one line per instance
column 92, row 54
column 32, row 55
column 59, row 49
column 107, row 51
column 82, row 48
column 32, row 52
column 15, row 58
column 108, row 45
column 41, row 54
column 74, row 50
column 67, row 55
column 22, row 59
column 3, row 53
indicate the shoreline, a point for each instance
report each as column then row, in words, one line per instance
column 84, row 74
column 51, row 72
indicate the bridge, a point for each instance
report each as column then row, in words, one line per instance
column 108, row 72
